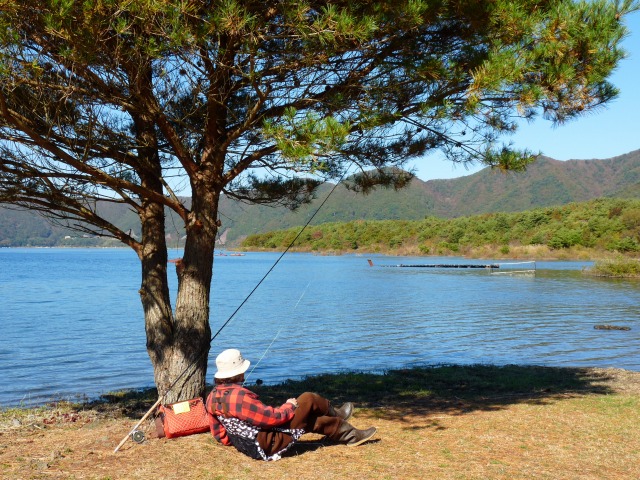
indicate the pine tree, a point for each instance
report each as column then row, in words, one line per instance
column 129, row 101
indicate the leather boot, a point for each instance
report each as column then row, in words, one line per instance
column 344, row 412
column 351, row 436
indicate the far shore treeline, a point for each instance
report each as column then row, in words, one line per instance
column 546, row 184
column 578, row 230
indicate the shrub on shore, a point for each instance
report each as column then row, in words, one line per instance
column 618, row 267
column 601, row 226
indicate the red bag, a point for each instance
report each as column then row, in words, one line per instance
column 184, row 418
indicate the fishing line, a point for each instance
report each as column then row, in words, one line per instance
column 274, row 338
column 188, row 368
column 177, row 232
column 279, row 258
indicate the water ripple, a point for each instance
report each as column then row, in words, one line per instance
column 72, row 322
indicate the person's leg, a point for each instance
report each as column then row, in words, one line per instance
column 273, row 441
column 315, row 414
column 310, row 415
column 311, row 408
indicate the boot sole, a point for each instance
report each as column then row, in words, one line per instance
column 366, row 439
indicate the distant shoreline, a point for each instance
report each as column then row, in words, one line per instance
column 580, row 256
column 486, row 252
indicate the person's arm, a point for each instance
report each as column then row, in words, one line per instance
column 217, row 429
column 252, row 410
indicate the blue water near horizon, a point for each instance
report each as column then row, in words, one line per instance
column 72, row 323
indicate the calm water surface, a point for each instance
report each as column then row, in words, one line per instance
column 72, row 323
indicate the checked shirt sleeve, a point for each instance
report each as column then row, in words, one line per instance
column 217, row 430
column 246, row 406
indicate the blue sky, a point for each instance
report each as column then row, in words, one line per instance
column 605, row 133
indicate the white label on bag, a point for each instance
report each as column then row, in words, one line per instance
column 182, row 407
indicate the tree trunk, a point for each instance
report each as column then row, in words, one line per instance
column 154, row 294
column 178, row 345
column 192, row 333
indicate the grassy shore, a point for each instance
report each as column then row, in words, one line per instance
column 519, row 252
column 617, row 267
column 447, row 422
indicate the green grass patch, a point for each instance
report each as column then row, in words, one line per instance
column 619, row 267
column 416, row 389
column 421, row 387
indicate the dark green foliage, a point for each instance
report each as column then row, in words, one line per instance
column 118, row 100
column 625, row 245
column 417, row 201
column 589, row 224
column 484, row 192
column 565, row 238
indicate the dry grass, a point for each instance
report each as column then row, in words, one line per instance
column 496, row 252
column 475, row 422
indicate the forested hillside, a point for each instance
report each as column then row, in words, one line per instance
column 546, row 183
column 603, row 225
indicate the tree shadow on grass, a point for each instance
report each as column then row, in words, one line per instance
column 450, row 389
column 397, row 395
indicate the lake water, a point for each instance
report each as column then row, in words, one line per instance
column 72, row 323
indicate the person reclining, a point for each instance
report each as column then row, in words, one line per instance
column 240, row 419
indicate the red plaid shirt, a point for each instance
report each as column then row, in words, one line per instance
column 236, row 401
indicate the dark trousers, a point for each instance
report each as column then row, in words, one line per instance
column 311, row 415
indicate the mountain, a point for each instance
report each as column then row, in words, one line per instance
column 547, row 182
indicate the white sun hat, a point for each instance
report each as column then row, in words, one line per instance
column 231, row 363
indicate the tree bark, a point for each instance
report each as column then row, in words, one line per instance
column 154, row 294
column 178, row 344
column 192, row 332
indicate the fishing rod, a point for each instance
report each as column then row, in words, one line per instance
column 133, row 431
column 276, row 336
